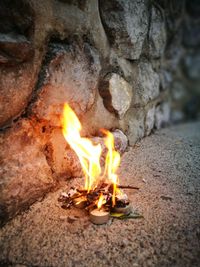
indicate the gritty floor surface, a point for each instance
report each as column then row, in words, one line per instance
column 166, row 167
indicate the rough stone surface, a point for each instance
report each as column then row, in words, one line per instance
column 16, row 80
column 128, row 68
column 71, row 76
column 193, row 8
column 162, row 114
column 126, row 24
column 16, row 17
column 121, row 141
column 174, row 54
column 184, row 102
column 192, row 66
column 14, row 49
column 191, row 34
column 98, row 34
column 157, row 34
column 165, row 79
column 98, row 117
column 135, row 121
column 178, row 91
column 62, row 159
column 117, row 94
column 166, row 168
column 147, row 87
column 183, row 50
column 24, row 173
column 16, row 86
column 149, row 120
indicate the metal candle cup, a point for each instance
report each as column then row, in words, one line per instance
column 99, row 216
column 125, row 210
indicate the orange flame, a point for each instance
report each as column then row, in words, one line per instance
column 89, row 154
column 101, row 201
column 112, row 162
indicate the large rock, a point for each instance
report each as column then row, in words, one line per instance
column 162, row 115
column 97, row 32
column 147, row 87
column 69, row 75
column 157, row 34
column 179, row 97
column 64, row 161
column 121, row 141
column 16, row 16
column 191, row 33
column 179, row 92
column 185, row 98
column 24, row 173
column 116, row 93
column 174, row 53
column 17, row 70
column 165, row 79
column 173, row 12
column 127, row 67
column 98, row 117
column 149, row 120
column 126, row 24
column 16, row 85
column 193, row 8
column 191, row 65
column 135, row 119
column 14, row 49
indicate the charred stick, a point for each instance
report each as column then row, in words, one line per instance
column 92, row 205
column 82, row 190
column 74, row 197
column 128, row 187
column 107, row 188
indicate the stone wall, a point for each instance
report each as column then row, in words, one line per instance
column 110, row 60
column 182, row 57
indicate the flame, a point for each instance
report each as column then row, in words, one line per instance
column 112, row 163
column 101, row 201
column 89, row 154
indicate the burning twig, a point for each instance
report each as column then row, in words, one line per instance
column 99, row 202
column 118, row 186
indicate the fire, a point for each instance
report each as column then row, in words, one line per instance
column 112, row 162
column 89, row 154
column 101, row 201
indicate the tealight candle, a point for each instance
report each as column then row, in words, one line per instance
column 99, row 216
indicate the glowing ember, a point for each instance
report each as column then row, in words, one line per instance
column 89, row 154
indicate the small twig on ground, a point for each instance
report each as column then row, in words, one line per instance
column 128, row 187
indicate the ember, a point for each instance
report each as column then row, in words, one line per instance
column 102, row 195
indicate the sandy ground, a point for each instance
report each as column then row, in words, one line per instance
column 166, row 167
